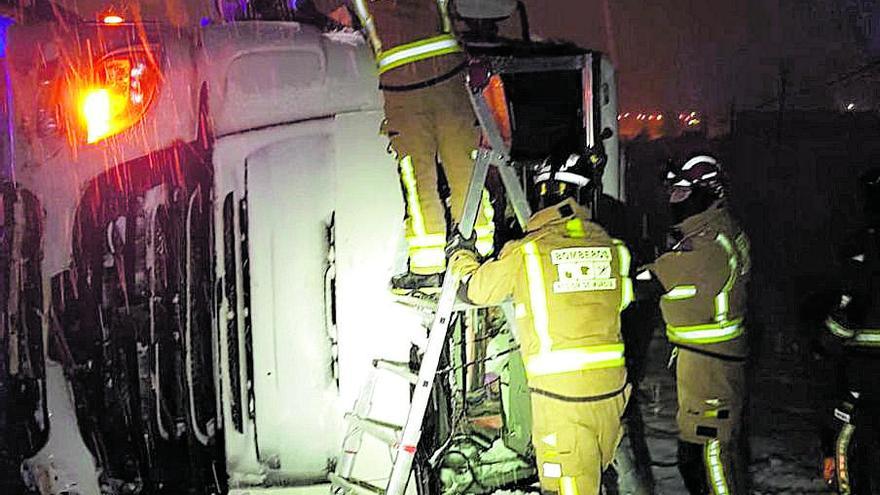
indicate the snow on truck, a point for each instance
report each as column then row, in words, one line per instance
column 199, row 236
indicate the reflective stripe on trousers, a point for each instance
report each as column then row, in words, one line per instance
column 568, row 486
column 427, row 249
column 842, row 454
column 715, row 468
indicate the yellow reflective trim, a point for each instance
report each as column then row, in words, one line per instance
column 426, row 240
column 709, row 333
column 716, row 469
column 868, row 338
column 485, row 228
column 485, row 247
column 575, row 359
column 681, row 292
column 407, row 173
column 627, row 295
column 838, row 330
column 722, row 305
column 575, row 228
column 722, row 300
column 488, row 209
column 537, row 295
column 624, row 261
column 842, row 454
column 425, row 42
column 567, row 486
column 417, row 50
column 485, row 231
column 625, row 258
column 427, row 259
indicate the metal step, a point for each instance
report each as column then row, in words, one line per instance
column 399, row 368
column 354, row 486
column 385, row 432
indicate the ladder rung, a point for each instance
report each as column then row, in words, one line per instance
column 386, row 432
column 399, row 368
column 357, row 487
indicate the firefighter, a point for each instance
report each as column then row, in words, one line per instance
column 704, row 278
column 569, row 282
column 428, row 117
column 852, row 337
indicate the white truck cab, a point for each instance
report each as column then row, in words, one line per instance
column 207, row 220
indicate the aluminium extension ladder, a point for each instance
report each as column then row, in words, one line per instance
column 405, row 440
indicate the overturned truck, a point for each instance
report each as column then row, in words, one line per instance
column 198, row 240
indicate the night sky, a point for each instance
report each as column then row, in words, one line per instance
column 706, row 54
column 675, row 55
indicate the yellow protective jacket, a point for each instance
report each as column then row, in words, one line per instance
column 412, row 39
column 569, row 281
column 705, row 277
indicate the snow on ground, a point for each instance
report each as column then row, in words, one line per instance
column 784, row 444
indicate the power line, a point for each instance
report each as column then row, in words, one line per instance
column 853, row 74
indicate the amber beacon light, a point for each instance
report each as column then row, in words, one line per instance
column 123, row 88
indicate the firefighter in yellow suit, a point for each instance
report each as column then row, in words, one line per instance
column 428, row 115
column 569, row 282
column 704, row 277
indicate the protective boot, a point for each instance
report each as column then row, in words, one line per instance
column 409, row 282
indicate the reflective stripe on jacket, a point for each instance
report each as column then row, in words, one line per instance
column 569, row 281
column 412, row 40
column 705, row 277
column 855, row 337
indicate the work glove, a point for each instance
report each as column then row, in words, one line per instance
column 457, row 242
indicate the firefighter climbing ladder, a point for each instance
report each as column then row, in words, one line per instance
column 405, row 440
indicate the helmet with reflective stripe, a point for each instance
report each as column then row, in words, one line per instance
column 700, row 171
column 554, row 181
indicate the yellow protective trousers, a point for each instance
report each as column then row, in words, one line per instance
column 425, row 125
column 575, row 441
column 711, row 398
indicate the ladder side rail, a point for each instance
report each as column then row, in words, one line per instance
column 351, row 443
column 515, row 194
column 474, row 194
column 406, row 450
